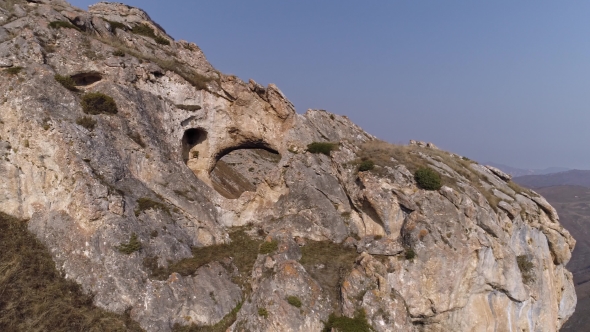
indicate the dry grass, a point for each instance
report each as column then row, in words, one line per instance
column 382, row 153
column 242, row 249
column 221, row 326
column 337, row 262
column 35, row 297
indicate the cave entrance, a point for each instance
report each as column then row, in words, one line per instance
column 191, row 141
column 243, row 169
column 84, row 79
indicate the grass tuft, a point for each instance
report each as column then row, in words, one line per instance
column 526, row 268
column 62, row 24
column 366, row 165
column 86, row 122
column 145, row 203
column 98, row 103
column 130, row 247
column 66, row 81
column 322, row 147
column 14, row 70
column 294, row 301
column 345, row 324
column 269, row 247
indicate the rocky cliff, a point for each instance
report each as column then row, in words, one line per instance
column 193, row 198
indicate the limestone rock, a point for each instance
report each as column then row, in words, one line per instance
column 193, row 156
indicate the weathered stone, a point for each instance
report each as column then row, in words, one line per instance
column 165, row 166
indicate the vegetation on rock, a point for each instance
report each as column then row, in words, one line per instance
column 366, row 165
column 34, row 294
column 130, row 247
column 66, row 81
column 269, row 247
column 526, row 268
column 146, row 203
column 62, row 24
column 346, row 324
column 86, row 122
column 98, row 103
column 322, row 147
column 427, row 178
column 14, row 70
column 294, row 301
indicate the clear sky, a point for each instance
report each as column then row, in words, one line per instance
column 502, row 81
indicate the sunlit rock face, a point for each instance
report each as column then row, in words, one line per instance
column 193, row 157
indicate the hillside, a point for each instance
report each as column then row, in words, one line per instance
column 185, row 199
column 569, row 178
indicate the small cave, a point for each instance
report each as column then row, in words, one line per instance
column 242, row 169
column 84, row 79
column 190, row 141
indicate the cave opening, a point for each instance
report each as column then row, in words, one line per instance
column 191, row 139
column 84, row 79
column 243, row 168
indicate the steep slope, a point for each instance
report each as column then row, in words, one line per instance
column 157, row 203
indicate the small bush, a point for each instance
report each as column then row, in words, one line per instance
column 86, row 122
column 410, row 254
column 345, row 324
column 14, row 70
column 162, row 40
column 526, row 268
column 144, row 30
column 427, row 178
column 190, row 108
column 366, row 165
column 262, row 312
column 269, row 247
column 294, row 301
column 118, row 53
column 322, row 147
column 62, row 24
column 66, row 81
column 145, row 203
column 130, row 247
column 98, row 103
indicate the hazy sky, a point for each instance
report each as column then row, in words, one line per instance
column 502, row 81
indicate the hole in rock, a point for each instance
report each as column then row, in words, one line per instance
column 243, row 169
column 190, row 141
column 84, row 79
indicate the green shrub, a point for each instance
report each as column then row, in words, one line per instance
column 14, row 70
column 130, row 247
column 345, row 324
column 144, row 30
column 410, row 254
column 294, row 301
column 322, row 147
column 118, row 53
column 145, row 203
column 86, row 122
column 427, row 178
column 269, row 247
column 366, row 165
column 526, row 268
column 98, row 103
column 162, row 40
column 62, row 24
column 190, row 108
column 262, row 312
column 66, row 81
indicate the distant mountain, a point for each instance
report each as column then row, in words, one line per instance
column 570, row 178
column 520, row 171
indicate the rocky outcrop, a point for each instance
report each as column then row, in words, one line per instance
column 124, row 204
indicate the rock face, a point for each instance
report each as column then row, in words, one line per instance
column 192, row 155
